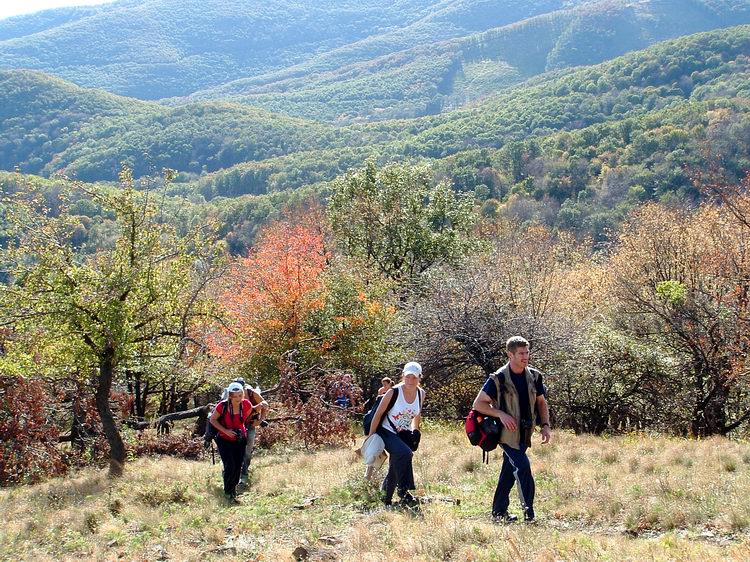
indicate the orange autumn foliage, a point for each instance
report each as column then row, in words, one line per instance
column 270, row 293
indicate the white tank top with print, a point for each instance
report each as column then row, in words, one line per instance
column 403, row 412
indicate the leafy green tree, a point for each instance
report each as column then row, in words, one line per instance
column 132, row 303
column 398, row 222
column 606, row 380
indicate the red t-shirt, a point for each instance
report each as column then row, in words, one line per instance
column 233, row 421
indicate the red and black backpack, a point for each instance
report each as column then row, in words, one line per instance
column 484, row 431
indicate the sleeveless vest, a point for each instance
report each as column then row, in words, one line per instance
column 513, row 407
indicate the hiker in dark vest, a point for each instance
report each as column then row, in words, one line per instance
column 399, row 429
column 230, row 419
column 516, row 395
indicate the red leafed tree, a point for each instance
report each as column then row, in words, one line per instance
column 270, row 293
column 28, row 438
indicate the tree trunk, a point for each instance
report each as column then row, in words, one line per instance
column 78, row 433
column 140, row 410
column 103, row 387
column 164, row 423
column 145, row 393
column 163, row 409
column 172, row 399
column 139, row 392
column 131, row 392
column 709, row 417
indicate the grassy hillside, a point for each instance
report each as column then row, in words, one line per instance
column 152, row 49
column 432, row 78
column 636, row 497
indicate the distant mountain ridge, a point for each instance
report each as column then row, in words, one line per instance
column 48, row 125
column 340, row 61
column 429, row 79
column 29, row 24
column 152, row 49
column 711, row 67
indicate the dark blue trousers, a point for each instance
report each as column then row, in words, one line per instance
column 400, row 471
column 516, row 470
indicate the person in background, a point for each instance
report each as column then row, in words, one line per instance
column 399, row 429
column 344, row 392
column 256, row 420
column 230, row 419
column 386, row 384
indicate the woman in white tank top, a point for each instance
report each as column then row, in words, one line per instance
column 404, row 411
column 397, row 426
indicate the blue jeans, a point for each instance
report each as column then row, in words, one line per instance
column 516, row 470
column 400, row 471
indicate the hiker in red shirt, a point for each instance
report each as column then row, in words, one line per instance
column 230, row 419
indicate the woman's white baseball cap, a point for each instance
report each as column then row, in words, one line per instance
column 413, row 368
column 236, row 387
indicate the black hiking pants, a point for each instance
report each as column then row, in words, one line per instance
column 232, row 454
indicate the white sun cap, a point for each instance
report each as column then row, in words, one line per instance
column 236, row 387
column 413, row 368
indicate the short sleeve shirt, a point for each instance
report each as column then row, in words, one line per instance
column 234, row 421
column 519, row 381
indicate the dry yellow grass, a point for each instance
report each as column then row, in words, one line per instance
column 623, row 498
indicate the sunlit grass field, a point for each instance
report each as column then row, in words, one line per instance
column 635, row 497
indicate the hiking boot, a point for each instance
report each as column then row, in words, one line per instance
column 528, row 516
column 407, row 500
column 504, row 517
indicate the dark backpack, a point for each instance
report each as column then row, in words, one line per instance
column 367, row 420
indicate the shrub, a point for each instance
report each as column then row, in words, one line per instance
column 183, row 445
column 28, row 441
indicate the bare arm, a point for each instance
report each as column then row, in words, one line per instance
column 376, row 419
column 417, row 420
column 263, row 408
column 486, row 405
column 543, row 408
column 260, row 405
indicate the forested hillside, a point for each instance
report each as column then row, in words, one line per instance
column 432, row 78
column 49, row 126
column 153, row 49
